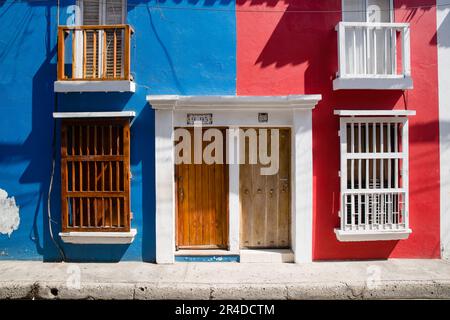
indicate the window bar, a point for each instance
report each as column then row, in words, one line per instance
column 396, row 127
column 354, row 51
column 74, row 60
column 365, row 50
column 405, row 168
column 394, row 51
column 366, row 196
column 110, row 213
column 95, row 162
column 115, row 54
column 81, row 211
column 84, row 53
column 375, row 71
column 95, row 211
column 352, row 169
column 72, row 162
column 103, row 212
column 102, row 162
column 359, row 174
column 383, row 203
column 80, row 152
column 89, row 212
column 118, row 211
column 104, row 53
column 94, row 54
column 374, row 149
column 389, row 169
column 385, row 50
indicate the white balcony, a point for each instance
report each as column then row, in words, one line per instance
column 373, row 56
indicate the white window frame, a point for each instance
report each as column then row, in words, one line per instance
column 366, row 5
column 376, row 221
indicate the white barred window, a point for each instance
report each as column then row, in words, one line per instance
column 374, row 175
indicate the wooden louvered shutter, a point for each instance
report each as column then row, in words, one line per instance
column 114, row 14
column 95, row 179
column 91, row 17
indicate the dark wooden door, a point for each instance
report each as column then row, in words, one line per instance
column 265, row 200
column 202, row 204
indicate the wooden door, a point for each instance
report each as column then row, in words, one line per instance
column 265, row 200
column 202, row 204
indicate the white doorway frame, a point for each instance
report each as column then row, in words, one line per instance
column 236, row 111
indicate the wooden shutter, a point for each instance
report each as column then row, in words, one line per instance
column 114, row 14
column 95, row 180
column 91, row 17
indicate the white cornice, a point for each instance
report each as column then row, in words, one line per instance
column 112, row 114
column 374, row 113
column 174, row 102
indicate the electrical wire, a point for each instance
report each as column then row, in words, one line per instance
column 157, row 6
column 52, row 174
column 50, row 188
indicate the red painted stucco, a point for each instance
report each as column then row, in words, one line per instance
column 286, row 52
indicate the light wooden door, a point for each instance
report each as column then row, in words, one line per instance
column 265, row 200
column 202, row 204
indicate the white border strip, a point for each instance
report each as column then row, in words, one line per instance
column 443, row 34
column 173, row 102
column 113, row 114
column 356, row 113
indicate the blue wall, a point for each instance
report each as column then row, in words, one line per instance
column 178, row 48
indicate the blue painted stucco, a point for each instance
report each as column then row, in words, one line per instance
column 178, row 48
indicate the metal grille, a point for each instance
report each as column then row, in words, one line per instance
column 95, row 175
column 374, row 182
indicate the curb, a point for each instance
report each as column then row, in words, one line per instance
column 194, row 291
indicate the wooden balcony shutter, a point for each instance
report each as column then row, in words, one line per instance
column 114, row 39
column 105, row 44
column 95, row 179
column 91, row 16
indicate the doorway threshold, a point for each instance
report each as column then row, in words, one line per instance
column 266, row 256
column 205, row 252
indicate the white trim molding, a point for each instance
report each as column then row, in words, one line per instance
column 375, row 113
column 289, row 102
column 95, row 86
column 374, row 184
column 345, row 236
column 294, row 111
column 443, row 44
column 98, row 237
column 108, row 114
column 369, row 83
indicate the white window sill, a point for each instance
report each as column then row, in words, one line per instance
column 95, row 86
column 374, row 235
column 372, row 83
column 98, row 237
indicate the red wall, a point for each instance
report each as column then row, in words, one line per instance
column 287, row 52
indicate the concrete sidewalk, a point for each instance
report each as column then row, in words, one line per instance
column 136, row 280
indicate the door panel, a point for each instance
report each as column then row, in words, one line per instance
column 265, row 200
column 202, row 204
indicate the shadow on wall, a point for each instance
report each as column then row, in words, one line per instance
column 36, row 151
column 443, row 29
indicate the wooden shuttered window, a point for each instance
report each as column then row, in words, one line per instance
column 103, row 48
column 95, row 178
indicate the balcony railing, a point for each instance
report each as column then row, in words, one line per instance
column 94, row 52
column 373, row 50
